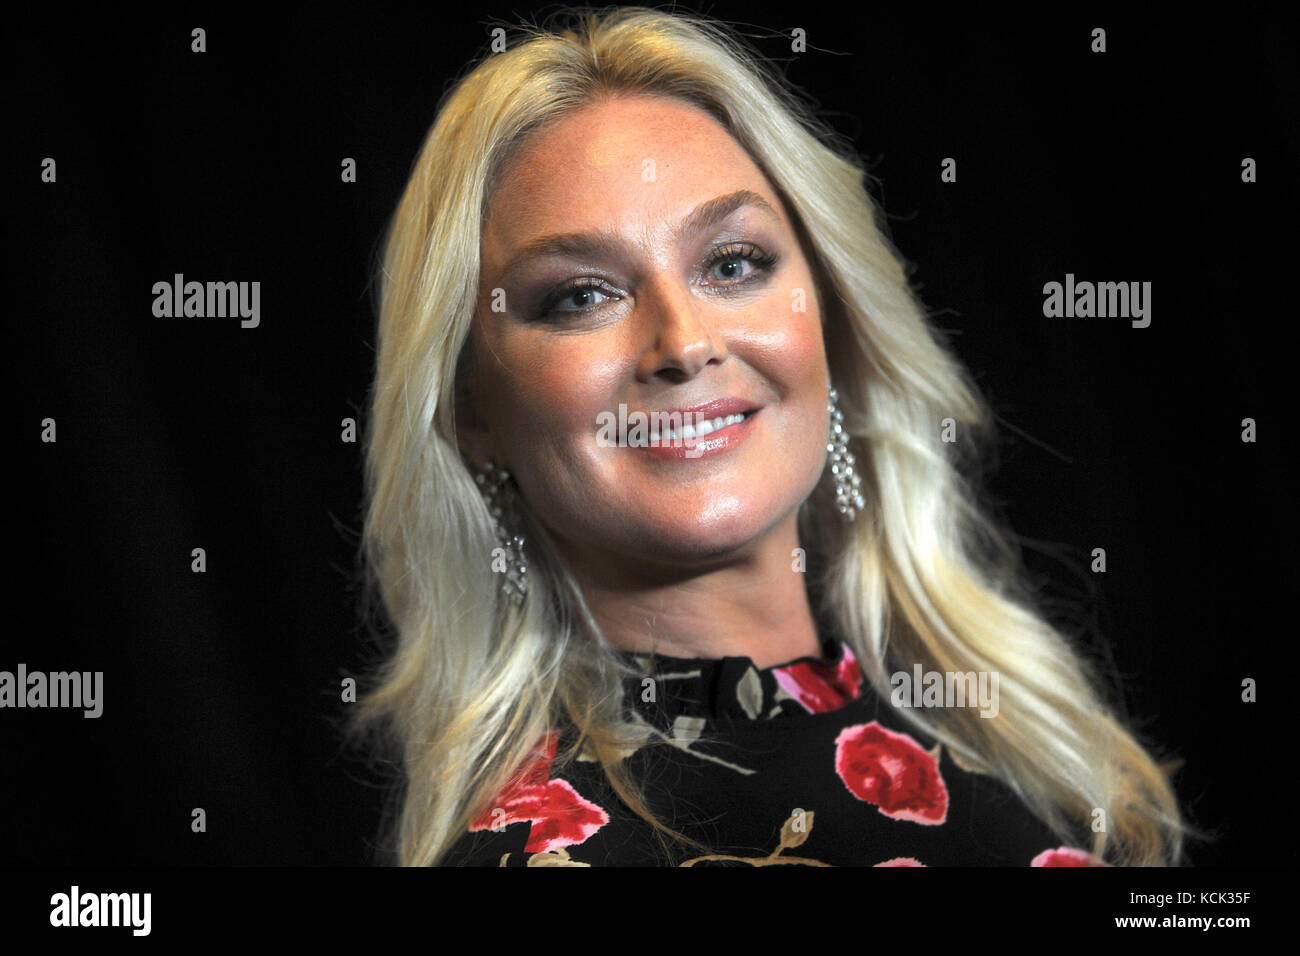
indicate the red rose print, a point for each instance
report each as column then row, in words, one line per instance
column 563, row 818
column 893, row 772
column 1066, row 856
column 822, row 687
column 902, row 861
column 560, row 816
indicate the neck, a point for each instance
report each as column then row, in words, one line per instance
column 755, row 605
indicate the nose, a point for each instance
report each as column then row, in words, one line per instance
column 681, row 341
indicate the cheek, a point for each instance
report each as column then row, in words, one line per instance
column 554, row 390
column 790, row 344
column 795, row 359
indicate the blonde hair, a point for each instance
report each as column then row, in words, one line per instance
column 923, row 576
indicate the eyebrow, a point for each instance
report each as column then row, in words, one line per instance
column 580, row 245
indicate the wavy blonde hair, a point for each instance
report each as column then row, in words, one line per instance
column 924, row 576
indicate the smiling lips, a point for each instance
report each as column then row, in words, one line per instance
column 683, row 433
column 700, row 420
column 711, row 436
column 699, row 430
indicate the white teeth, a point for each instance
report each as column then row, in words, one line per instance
column 702, row 429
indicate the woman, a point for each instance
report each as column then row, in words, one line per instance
column 746, row 636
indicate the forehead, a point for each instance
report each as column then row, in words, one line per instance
column 631, row 163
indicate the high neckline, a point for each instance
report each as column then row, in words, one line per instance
column 689, row 693
column 830, row 650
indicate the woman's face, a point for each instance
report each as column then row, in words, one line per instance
column 679, row 282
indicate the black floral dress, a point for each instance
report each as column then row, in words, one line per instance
column 797, row 764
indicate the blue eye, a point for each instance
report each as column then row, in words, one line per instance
column 586, row 295
column 732, row 263
column 734, row 257
column 583, row 289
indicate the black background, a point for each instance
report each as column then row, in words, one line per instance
column 221, row 689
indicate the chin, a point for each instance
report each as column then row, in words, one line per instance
column 708, row 538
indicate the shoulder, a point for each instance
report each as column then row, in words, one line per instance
column 487, row 847
column 535, row 817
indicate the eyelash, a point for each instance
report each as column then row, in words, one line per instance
column 745, row 251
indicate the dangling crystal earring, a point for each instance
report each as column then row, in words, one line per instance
column 492, row 482
column 848, row 496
